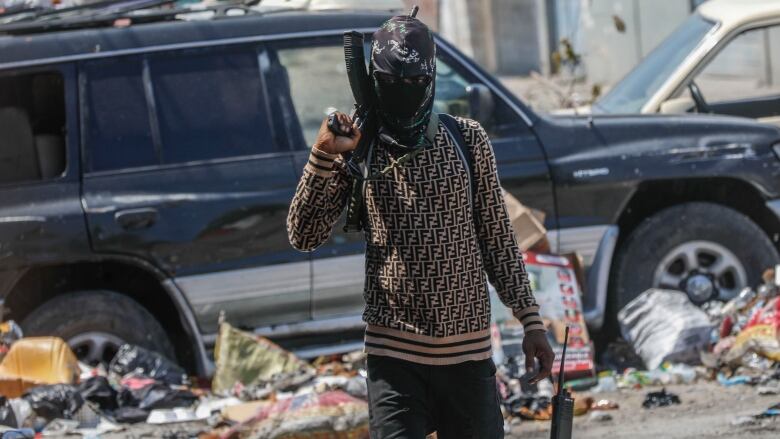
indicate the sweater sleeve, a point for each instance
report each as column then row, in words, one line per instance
column 319, row 199
column 501, row 255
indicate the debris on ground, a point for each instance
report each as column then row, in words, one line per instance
column 260, row 390
column 254, row 365
column 664, row 326
column 660, row 399
column 668, row 341
column 36, row 361
column 600, row 417
column 139, row 361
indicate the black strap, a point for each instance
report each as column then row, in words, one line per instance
column 465, row 152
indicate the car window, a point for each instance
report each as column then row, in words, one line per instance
column 312, row 77
column 632, row 92
column 451, row 96
column 747, row 67
column 452, row 80
column 32, row 123
column 210, row 105
column 118, row 134
column 315, row 79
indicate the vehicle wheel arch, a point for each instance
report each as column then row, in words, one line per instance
column 653, row 196
column 129, row 276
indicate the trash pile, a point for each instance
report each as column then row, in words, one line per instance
column 667, row 341
column 736, row 342
column 259, row 390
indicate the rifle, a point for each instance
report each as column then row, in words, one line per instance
column 363, row 116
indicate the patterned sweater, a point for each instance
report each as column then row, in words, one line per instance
column 426, row 296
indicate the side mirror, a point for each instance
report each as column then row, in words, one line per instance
column 676, row 105
column 481, row 104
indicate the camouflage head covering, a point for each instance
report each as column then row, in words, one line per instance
column 403, row 46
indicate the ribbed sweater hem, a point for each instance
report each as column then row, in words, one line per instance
column 425, row 349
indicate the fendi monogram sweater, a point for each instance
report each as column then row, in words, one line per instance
column 425, row 291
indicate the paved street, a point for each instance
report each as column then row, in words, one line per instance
column 707, row 410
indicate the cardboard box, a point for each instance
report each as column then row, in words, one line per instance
column 527, row 223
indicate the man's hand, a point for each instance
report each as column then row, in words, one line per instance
column 535, row 345
column 329, row 142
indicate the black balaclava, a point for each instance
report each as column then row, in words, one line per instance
column 404, row 46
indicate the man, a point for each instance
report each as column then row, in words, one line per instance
column 427, row 305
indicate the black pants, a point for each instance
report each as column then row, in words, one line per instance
column 408, row 400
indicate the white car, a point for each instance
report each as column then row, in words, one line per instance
column 724, row 59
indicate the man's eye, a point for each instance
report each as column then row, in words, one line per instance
column 418, row 80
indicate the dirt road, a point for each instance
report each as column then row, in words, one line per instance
column 707, row 411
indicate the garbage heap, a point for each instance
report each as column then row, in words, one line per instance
column 667, row 340
column 259, row 390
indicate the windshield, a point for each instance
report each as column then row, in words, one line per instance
column 636, row 88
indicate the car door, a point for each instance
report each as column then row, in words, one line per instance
column 183, row 172
column 41, row 219
column 309, row 77
column 742, row 78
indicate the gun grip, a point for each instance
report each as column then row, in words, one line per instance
column 333, row 126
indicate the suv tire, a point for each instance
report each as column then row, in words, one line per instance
column 642, row 258
column 96, row 322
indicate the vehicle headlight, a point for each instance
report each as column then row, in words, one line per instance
column 776, row 149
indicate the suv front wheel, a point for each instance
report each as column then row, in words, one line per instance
column 95, row 323
column 706, row 250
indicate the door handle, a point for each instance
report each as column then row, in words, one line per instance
column 135, row 219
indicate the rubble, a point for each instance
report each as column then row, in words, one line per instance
column 260, row 390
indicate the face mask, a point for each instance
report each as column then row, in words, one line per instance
column 403, row 48
column 399, row 97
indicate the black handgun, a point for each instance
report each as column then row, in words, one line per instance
column 562, row 403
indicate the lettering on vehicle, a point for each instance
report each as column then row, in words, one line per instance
column 587, row 173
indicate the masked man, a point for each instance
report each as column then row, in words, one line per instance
column 427, row 338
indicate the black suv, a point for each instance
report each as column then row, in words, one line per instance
column 146, row 173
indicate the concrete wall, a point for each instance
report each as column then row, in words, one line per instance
column 607, row 52
column 521, row 36
column 515, row 37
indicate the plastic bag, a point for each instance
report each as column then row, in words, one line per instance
column 761, row 335
column 135, row 359
column 663, row 325
column 156, row 396
column 7, row 415
column 130, row 415
column 54, row 401
column 98, row 390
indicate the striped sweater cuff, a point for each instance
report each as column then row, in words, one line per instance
column 321, row 162
column 530, row 318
